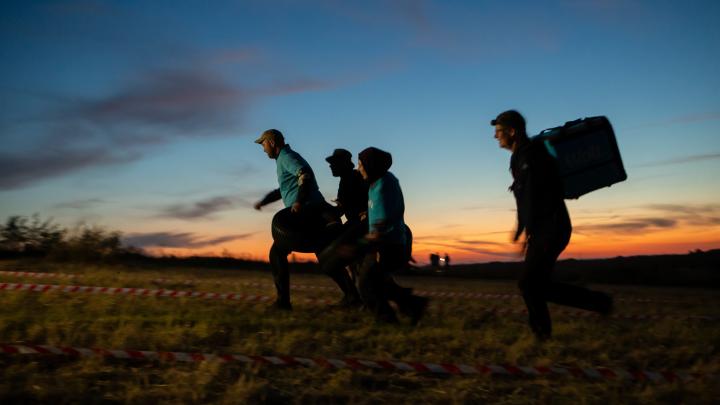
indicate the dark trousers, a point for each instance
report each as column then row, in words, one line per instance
column 343, row 253
column 377, row 286
column 280, row 268
column 538, row 288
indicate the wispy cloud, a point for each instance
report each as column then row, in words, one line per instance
column 668, row 216
column 476, row 246
column 156, row 109
column 177, row 240
column 79, row 204
column 682, row 159
column 628, row 226
column 20, row 170
column 204, row 209
column 680, row 119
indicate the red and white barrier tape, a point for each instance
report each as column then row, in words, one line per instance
column 36, row 274
column 144, row 292
column 432, row 294
column 599, row 373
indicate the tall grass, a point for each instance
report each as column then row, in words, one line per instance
column 455, row 330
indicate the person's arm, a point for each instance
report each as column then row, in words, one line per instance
column 304, row 180
column 271, row 197
column 380, row 212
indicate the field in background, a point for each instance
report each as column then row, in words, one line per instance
column 454, row 331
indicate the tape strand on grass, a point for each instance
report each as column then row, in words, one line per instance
column 252, row 298
column 303, row 287
column 599, row 373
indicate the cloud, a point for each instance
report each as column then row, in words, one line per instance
column 21, row 170
column 163, row 105
column 667, row 216
column 177, row 240
column 79, row 204
column 628, row 226
column 682, row 159
column 680, row 119
column 159, row 107
column 464, row 245
column 691, row 214
column 203, row 209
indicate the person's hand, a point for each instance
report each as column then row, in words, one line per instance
column 258, row 205
column 295, row 207
column 363, row 215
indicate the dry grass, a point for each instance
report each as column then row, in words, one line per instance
column 455, row 330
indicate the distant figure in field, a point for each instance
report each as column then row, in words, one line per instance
column 447, row 260
column 307, row 224
column 434, row 261
column 543, row 217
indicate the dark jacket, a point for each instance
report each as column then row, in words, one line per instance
column 352, row 195
column 538, row 191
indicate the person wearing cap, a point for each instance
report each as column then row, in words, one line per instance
column 544, row 220
column 352, row 190
column 387, row 243
column 352, row 200
column 300, row 194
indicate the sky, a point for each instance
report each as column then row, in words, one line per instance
column 140, row 116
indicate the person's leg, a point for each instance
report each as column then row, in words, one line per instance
column 393, row 258
column 533, row 283
column 572, row 295
column 281, row 275
column 334, row 259
column 371, row 285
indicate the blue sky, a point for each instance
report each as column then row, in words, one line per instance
column 140, row 116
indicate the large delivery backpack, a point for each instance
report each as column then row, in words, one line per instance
column 587, row 155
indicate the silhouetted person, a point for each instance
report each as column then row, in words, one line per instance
column 447, row 260
column 352, row 196
column 543, row 217
column 352, row 200
column 435, row 261
column 308, row 211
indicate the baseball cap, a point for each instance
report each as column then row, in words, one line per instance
column 510, row 118
column 339, row 155
column 271, row 134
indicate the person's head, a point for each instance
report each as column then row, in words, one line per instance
column 340, row 162
column 373, row 163
column 509, row 129
column 272, row 141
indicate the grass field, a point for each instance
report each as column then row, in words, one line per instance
column 454, row 331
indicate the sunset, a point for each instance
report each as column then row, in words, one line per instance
column 141, row 118
column 359, row 202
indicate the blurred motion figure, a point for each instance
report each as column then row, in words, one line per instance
column 543, row 217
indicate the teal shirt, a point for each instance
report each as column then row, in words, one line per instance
column 289, row 163
column 386, row 209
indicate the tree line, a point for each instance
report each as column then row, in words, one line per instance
column 22, row 236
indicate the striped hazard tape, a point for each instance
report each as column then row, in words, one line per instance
column 432, row 294
column 35, row 274
column 144, row 292
column 597, row 373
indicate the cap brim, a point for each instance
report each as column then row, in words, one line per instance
column 493, row 122
column 259, row 140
